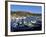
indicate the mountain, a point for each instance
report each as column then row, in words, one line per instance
column 23, row 13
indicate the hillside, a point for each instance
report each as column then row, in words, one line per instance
column 23, row 13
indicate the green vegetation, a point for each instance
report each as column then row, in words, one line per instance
column 22, row 13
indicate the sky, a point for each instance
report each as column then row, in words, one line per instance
column 33, row 9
